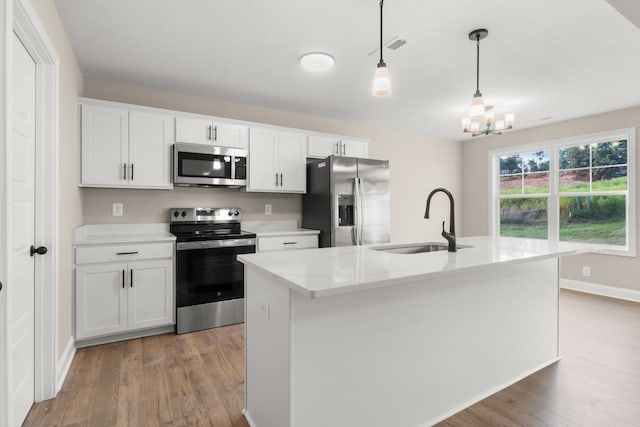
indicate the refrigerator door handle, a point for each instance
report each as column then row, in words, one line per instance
column 356, row 213
column 360, row 213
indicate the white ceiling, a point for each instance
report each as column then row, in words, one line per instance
column 543, row 58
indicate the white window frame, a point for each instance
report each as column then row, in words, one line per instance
column 554, row 195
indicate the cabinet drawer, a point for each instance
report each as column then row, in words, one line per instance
column 111, row 253
column 280, row 243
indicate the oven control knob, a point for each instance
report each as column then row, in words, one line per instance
column 176, row 214
column 184, row 213
column 236, row 212
column 230, row 212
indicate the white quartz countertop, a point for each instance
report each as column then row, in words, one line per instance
column 324, row 272
column 277, row 228
column 98, row 234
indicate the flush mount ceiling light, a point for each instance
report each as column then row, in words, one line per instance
column 317, row 61
column 480, row 114
column 381, row 82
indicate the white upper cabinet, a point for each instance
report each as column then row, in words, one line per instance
column 125, row 148
column 352, row 148
column 205, row 131
column 277, row 161
column 130, row 146
column 105, row 146
column 321, row 146
column 150, row 140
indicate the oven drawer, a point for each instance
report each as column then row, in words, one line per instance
column 132, row 252
column 279, row 243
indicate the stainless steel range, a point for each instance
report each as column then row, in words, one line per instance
column 209, row 278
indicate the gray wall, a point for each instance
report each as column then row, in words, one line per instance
column 610, row 270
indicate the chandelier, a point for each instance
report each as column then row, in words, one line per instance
column 481, row 115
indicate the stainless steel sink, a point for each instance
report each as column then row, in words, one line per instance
column 416, row 248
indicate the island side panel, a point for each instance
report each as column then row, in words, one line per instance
column 266, row 349
column 413, row 354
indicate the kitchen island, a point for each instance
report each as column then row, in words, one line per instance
column 353, row 336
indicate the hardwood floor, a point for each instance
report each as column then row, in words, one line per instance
column 193, row 379
column 197, row 379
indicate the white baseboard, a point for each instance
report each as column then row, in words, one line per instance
column 64, row 363
column 248, row 417
column 602, row 290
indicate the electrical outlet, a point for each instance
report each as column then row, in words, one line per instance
column 267, row 209
column 117, row 209
column 586, row 271
column 264, row 309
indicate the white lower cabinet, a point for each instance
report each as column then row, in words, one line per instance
column 281, row 243
column 120, row 297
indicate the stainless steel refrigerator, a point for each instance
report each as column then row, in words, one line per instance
column 347, row 199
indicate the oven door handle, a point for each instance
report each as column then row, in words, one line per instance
column 213, row 244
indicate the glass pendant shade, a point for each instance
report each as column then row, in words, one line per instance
column 477, row 107
column 466, row 122
column 381, row 82
column 509, row 118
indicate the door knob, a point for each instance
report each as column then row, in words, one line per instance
column 39, row 250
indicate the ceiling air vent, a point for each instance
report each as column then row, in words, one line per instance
column 396, row 43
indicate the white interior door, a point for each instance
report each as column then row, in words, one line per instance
column 20, row 284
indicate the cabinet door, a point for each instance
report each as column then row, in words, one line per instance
column 355, row 148
column 195, row 131
column 150, row 138
column 101, row 299
column 292, row 163
column 150, row 288
column 228, row 135
column 321, row 146
column 104, row 143
column 263, row 147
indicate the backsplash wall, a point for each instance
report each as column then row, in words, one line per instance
column 150, row 206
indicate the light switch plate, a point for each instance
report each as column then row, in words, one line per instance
column 117, row 209
column 267, row 209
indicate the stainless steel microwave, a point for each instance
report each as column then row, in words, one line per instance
column 203, row 165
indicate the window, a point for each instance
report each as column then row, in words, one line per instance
column 575, row 190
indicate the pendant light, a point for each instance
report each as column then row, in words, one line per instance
column 480, row 113
column 381, row 82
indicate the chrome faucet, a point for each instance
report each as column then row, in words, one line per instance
column 451, row 235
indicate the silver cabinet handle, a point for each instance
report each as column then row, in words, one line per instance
column 290, row 243
column 209, row 134
column 131, row 277
column 215, row 133
column 344, row 151
column 124, row 171
column 127, row 253
column 281, row 184
column 276, row 179
column 131, row 171
column 122, row 279
column 337, row 149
